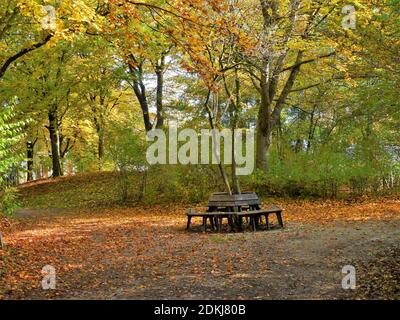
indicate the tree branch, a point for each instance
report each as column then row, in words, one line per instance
column 300, row 63
column 21, row 53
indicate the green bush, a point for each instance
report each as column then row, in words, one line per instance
column 8, row 201
column 10, row 135
column 323, row 174
column 127, row 151
column 181, row 183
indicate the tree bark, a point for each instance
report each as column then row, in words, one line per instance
column 311, row 129
column 264, row 132
column 235, row 109
column 100, row 149
column 136, row 70
column 262, row 146
column 159, row 69
column 54, row 140
column 30, row 155
column 99, row 124
column 145, row 108
column 235, row 180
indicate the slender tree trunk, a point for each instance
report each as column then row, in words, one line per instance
column 55, row 147
column 30, row 154
column 136, row 70
column 235, row 119
column 100, row 148
column 160, row 88
column 143, row 186
column 311, row 129
column 220, row 165
column 145, row 110
column 235, row 180
column 264, row 134
column 100, row 142
column 280, row 140
column 99, row 124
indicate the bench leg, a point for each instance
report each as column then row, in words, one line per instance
column 230, row 222
column 205, row 224
column 267, row 221
column 253, row 223
column 212, row 222
column 240, row 223
column 188, row 223
column 279, row 216
column 216, row 223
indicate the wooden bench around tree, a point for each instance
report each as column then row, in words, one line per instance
column 255, row 217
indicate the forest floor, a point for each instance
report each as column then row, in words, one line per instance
column 145, row 253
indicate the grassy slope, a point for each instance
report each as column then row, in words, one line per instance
column 97, row 189
column 83, row 190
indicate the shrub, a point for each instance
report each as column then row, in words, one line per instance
column 8, row 201
column 10, row 135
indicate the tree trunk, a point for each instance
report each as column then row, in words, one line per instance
column 30, row 154
column 100, row 148
column 220, row 165
column 136, row 70
column 99, row 124
column 280, row 140
column 268, row 118
column 143, row 186
column 263, row 133
column 262, row 146
column 160, row 87
column 100, row 142
column 235, row 180
column 55, row 147
column 235, row 118
column 311, row 130
column 145, row 110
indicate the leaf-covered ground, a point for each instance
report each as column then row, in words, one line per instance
column 380, row 276
column 145, row 253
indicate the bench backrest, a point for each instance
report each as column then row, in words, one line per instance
column 222, row 199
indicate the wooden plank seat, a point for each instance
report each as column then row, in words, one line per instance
column 217, row 217
column 204, row 215
column 256, row 216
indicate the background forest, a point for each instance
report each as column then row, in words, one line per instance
column 81, row 82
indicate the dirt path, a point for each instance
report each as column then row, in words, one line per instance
column 302, row 262
column 132, row 254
